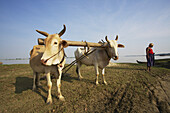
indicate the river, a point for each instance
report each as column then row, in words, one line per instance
column 122, row 59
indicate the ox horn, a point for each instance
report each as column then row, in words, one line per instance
column 106, row 39
column 43, row 33
column 116, row 38
column 63, row 31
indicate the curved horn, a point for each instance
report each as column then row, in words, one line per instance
column 43, row 33
column 106, row 39
column 116, row 38
column 63, row 31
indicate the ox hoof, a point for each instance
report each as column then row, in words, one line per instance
column 49, row 101
column 97, row 83
column 80, row 77
column 105, row 82
column 61, row 98
column 34, row 88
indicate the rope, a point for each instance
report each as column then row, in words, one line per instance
column 54, row 55
column 80, row 58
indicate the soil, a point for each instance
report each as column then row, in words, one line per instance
column 130, row 89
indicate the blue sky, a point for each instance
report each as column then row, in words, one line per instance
column 137, row 22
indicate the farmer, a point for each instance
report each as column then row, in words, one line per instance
column 149, row 57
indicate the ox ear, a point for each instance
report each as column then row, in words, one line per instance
column 63, row 31
column 64, row 43
column 116, row 38
column 43, row 33
column 121, row 46
column 41, row 41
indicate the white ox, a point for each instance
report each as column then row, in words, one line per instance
column 49, row 59
column 99, row 58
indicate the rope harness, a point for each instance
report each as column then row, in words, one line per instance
column 80, row 58
column 57, row 54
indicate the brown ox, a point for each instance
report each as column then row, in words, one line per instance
column 49, row 59
column 99, row 58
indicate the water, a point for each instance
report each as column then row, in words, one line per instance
column 125, row 59
column 26, row 61
column 4, row 61
column 122, row 59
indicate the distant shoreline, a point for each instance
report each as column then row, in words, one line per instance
column 162, row 54
column 122, row 59
column 22, row 58
column 15, row 59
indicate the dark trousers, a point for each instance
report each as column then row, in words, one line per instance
column 150, row 60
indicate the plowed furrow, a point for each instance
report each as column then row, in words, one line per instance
column 162, row 106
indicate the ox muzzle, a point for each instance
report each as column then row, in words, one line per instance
column 115, row 57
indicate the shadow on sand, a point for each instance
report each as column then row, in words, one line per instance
column 68, row 78
column 23, row 84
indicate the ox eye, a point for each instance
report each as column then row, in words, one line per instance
column 55, row 42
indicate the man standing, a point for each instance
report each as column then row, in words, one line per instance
column 149, row 57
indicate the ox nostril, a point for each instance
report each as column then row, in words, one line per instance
column 116, row 57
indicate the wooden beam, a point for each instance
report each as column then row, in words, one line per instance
column 80, row 43
column 76, row 43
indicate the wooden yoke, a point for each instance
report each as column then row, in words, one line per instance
column 76, row 43
column 79, row 43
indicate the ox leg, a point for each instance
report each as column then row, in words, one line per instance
column 49, row 85
column 37, row 80
column 104, row 81
column 97, row 74
column 34, row 80
column 78, row 70
column 59, row 84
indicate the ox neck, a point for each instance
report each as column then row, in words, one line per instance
column 107, row 53
column 62, row 59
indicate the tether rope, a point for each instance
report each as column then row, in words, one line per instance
column 80, row 58
column 75, row 61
